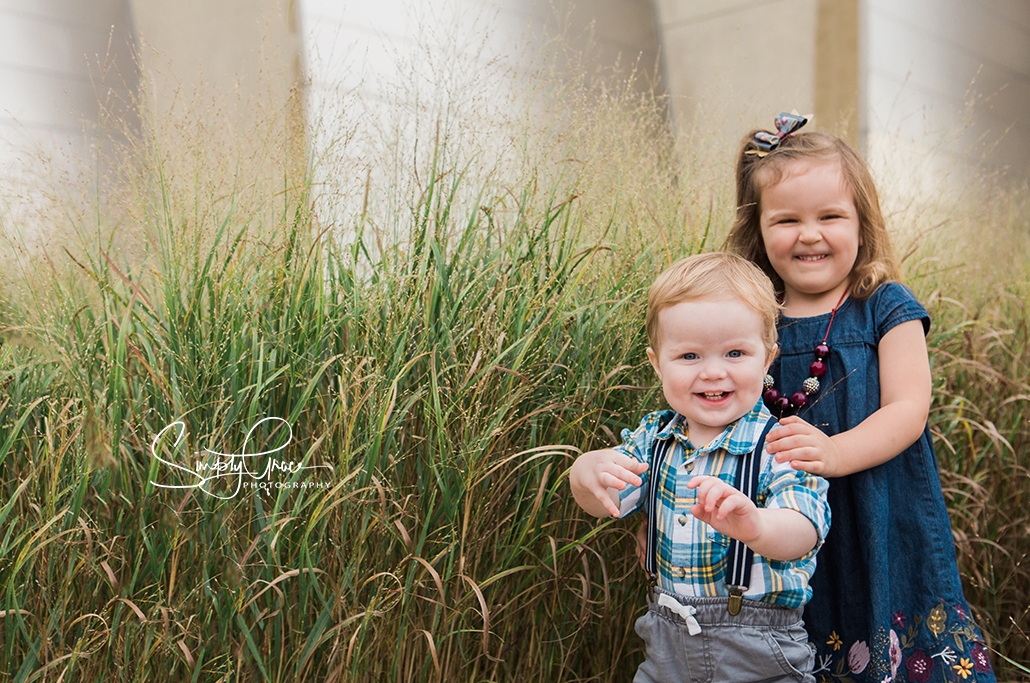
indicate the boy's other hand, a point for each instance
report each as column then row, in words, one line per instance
column 642, row 543
column 595, row 472
column 725, row 509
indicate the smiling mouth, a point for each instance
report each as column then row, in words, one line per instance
column 811, row 258
column 713, row 395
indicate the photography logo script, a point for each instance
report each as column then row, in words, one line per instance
column 212, row 469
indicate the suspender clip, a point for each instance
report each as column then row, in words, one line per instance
column 736, row 599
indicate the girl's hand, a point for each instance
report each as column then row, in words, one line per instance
column 725, row 509
column 594, row 473
column 805, row 447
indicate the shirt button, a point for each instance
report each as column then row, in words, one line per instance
column 689, row 466
column 682, row 519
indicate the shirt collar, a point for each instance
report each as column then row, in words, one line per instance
column 738, row 438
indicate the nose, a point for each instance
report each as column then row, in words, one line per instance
column 712, row 370
column 810, row 233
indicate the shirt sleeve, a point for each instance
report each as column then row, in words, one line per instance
column 787, row 488
column 637, row 445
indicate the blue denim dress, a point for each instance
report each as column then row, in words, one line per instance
column 887, row 600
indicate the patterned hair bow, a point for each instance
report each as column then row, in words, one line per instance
column 786, row 124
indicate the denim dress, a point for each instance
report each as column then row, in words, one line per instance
column 887, row 601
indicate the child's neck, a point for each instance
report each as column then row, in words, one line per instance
column 702, row 435
column 806, row 305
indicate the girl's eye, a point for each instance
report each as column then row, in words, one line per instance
column 689, row 356
column 736, row 353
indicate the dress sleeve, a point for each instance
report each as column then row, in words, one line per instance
column 895, row 304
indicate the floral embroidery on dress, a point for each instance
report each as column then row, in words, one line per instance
column 919, row 666
column 981, row 664
column 895, row 652
column 955, row 653
column 858, row 657
column 964, row 668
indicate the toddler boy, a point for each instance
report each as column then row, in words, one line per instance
column 715, row 613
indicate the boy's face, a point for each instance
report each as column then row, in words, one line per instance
column 711, row 362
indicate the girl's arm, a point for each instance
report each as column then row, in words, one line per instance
column 905, row 385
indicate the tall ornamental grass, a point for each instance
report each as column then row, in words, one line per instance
column 447, row 344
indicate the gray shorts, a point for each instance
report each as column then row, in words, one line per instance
column 763, row 643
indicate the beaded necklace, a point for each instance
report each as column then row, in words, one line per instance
column 781, row 402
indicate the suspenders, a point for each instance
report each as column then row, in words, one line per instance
column 739, row 557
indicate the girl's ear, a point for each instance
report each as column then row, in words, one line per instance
column 652, row 357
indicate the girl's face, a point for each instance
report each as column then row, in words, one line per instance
column 811, row 232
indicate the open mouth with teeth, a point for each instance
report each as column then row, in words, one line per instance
column 811, row 257
column 714, row 395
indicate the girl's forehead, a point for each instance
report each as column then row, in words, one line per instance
column 776, row 173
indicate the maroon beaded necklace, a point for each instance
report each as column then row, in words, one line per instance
column 781, row 403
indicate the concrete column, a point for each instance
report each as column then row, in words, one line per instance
column 836, row 91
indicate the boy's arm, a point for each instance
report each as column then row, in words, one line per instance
column 777, row 534
column 595, row 472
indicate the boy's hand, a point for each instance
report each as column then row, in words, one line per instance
column 642, row 543
column 595, row 472
column 805, row 447
column 725, row 509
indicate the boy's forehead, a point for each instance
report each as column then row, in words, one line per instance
column 701, row 315
column 709, row 307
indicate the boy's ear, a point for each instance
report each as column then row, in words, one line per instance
column 653, row 358
column 771, row 356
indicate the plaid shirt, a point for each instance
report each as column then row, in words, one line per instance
column 692, row 556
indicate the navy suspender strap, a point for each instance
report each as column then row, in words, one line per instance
column 740, row 557
column 659, row 452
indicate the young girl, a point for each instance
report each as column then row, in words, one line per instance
column 852, row 386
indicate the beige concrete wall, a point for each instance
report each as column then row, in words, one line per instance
column 353, row 44
column 924, row 87
column 624, row 32
column 948, row 81
column 60, row 62
column 838, row 68
column 379, row 72
column 242, row 50
column 729, row 68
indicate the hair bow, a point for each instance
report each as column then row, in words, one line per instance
column 786, row 124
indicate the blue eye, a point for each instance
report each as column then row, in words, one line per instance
column 736, row 353
column 689, row 356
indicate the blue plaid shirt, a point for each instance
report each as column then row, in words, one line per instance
column 692, row 556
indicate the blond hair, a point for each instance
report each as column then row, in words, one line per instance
column 717, row 276
column 875, row 262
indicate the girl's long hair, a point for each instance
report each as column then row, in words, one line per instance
column 875, row 263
